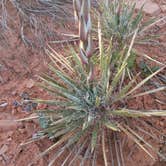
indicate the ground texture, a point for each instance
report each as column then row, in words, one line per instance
column 19, row 68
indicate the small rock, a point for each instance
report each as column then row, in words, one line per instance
column 163, row 8
column 27, row 107
column 9, row 139
column 16, row 104
column 14, row 92
column 13, row 111
column 30, row 83
column 161, row 123
column 3, row 149
column 22, row 131
column 25, row 96
column 149, row 8
column 3, row 104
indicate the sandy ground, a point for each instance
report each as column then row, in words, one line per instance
column 19, row 70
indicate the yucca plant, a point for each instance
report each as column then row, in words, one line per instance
column 89, row 110
column 82, row 113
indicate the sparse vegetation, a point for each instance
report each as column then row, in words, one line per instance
column 119, row 22
column 90, row 104
column 37, row 16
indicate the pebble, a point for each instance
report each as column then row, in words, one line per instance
column 163, row 8
column 30, row 83
column 161, row 123
column 3, row 104
column 16, row 103
column 150, row 8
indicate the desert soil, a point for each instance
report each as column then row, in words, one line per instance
column 19, row 70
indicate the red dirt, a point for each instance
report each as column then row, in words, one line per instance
column 19, row 68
